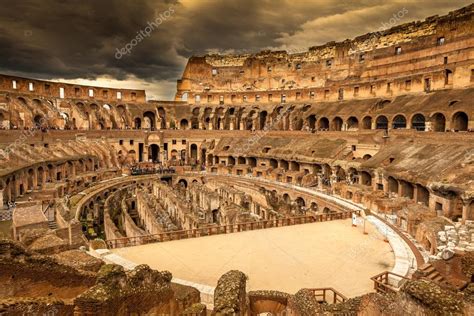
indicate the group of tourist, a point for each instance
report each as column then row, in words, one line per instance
column 145, row 169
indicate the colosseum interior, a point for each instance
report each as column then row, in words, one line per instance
column 337, row 181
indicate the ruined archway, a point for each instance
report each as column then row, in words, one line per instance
column 399, row 122
column 460, row 121
column 418, row 122
column 438, row 122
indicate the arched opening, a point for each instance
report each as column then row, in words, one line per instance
column 381, row 122
column 137, row 123
column 215, row 216
column 392, row 185
column 149, row 120
column 241, row 160
column 365, row 178
column 399, row 121
column 367, row 157
column 284, row 165
column 183, row 124
column 340, row 174
column 367, row 122
column 298, row 124
column 352, row 123
column 407, row 189
column 460, row 121
column 183, row 183
column 252, row 162
column 210, row 159
column 154, row 153
column 311, row 120
column 273, row 163
column 262, row 119
column 418, row 122
column 286, row 198
column 323, row 123
column 30, row 179
column 231, row 161
column 422, row 195
column 194, row 153
column 194, row 123
column 162, row 115
column 174, row 155
column 249, row 124
column 300, row 204
column 337, row 124
column 38, row 120
column 438, row 122
column 294, row 166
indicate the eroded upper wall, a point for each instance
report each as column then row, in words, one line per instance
column 60, row 90
column 366, row 66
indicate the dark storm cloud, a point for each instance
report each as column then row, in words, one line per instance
column 79, row 39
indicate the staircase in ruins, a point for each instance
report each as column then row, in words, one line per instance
column 429, row 272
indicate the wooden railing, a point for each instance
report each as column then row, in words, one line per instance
column 224, row 229
column 328, row 295
column 383, row 284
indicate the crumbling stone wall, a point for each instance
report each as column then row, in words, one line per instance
column 230, row 294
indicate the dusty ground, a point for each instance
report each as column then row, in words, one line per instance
column 328, row 254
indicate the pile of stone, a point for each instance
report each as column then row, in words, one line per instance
column 458, row 238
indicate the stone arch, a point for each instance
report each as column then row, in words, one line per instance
column 399, row 122
column 422, row 194
column 162, row 115
column 336, row 124
column 392, row 185
column 137, row 123
column 183, row 124
column 294, row 166
column 323, row 123
column 252, row 161
column 407, row 189
column 459, row 121
column 194, row 153
column 352, row 123
column 183, row 183
column 367, row 122
column 154, row 153
column 365, row 178
column 311, row 122
column 241, row 160
column 438, row 122
column 262, row 116
column 381, row 122
column 149, row 120
column 418, row 122
column 273, row 163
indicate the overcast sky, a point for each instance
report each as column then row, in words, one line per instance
column 79, row 41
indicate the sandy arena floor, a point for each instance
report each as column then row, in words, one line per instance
column 328, row 254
